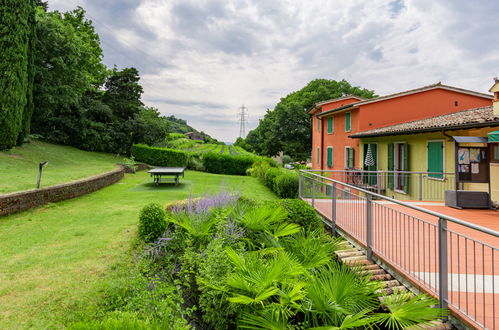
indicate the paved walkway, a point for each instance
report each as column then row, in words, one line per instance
column 408, row 240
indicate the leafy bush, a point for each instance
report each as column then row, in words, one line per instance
column 159, row 156
column 286, row 159
column 259, row 169
column 270, row 176
column 227, row 164
column 130, row 163
column 195, row 162
column 299, row 212
column 286, row 184
column 152, row 222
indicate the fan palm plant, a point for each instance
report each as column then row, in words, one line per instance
column 404, row 311
column 336, row 291
column 312, row 249
column 256, row 278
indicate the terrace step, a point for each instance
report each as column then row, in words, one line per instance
column 390, row 284
column 381, row 277
column 344, row 254
column 374, row 272
column 369, row 267
column 391, row 290
column 437, row 325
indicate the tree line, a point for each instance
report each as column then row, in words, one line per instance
column 287, row 128
column 56, row 86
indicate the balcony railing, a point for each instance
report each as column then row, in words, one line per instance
column 407, row 185
column 454, row 260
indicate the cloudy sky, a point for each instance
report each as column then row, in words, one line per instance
column 202, row 59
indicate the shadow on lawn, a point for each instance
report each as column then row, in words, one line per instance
column 164, row 186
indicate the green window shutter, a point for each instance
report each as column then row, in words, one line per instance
column 351, row 155
column 330, row 125
column 436, row 159
column 318, row 124
column 330, row 156
column 348, row 122
column 391, row 184
column 405, row 165
column 318, row 155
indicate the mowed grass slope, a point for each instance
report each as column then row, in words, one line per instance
column 55, row 260
column 19, row 166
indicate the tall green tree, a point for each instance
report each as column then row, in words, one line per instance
column 287, row 128
column 123, row 93
column 16, row 34
column 65, row 72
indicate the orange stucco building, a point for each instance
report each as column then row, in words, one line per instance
column 333, row 121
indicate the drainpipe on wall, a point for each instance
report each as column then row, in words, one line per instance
column 322, row 145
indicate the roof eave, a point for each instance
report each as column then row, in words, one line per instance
column 427, row 130
column 342, row 108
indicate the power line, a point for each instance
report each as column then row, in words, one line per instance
column 242, row 117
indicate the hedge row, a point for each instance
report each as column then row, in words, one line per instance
column 281, row 181
column 159, row 156
column 211, row 162
column 227, row 164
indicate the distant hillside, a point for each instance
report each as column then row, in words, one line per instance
column 178, row 125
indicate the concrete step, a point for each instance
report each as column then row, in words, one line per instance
column 374, row 272
column 353, row 258
column 381, row 277
column 358, row 262
column 344, row 254
column 437, row 325
column 367, row 267
column 390, row 290
column 390, row 284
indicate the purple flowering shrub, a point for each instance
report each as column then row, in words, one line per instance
column 203, row 204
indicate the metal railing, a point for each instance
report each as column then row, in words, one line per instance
column 423, row 186
column 452, row 259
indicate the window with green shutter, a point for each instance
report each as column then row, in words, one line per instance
column 330, row 123
column 348, row 124
column 319, row 155
column 318, row 124
column 349, row 157
column 436, row 159
column 391, row 181
column 330, row 156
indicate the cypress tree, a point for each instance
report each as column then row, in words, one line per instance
column 14, row 44
column 30, row 106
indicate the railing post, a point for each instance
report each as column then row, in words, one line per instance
column 300, row 177
column 333, row 210
column 313, row 192
column 369, row 227
column 442, row 263
column 378, row 182
column 420, row 186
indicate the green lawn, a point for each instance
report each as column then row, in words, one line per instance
column 55, row 260
column 19, row 166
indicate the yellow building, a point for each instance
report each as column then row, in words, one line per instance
column 424, row 157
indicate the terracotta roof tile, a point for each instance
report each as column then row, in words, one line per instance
column 455, row 120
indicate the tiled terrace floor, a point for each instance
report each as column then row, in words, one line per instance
column 408, row 240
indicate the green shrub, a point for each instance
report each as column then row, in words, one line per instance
column 286, row 184
column 299, row 212
column 152, row 222
column 270, row 176
column 195, row 162
column 259, row 169
column 159, row 156
column 227, row 164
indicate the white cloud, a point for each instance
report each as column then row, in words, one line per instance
column 202, row 59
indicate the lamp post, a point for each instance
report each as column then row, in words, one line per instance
column 40, row 167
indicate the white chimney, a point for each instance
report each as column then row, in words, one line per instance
column 495, row 89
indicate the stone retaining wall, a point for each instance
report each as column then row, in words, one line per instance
column 24, row 200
